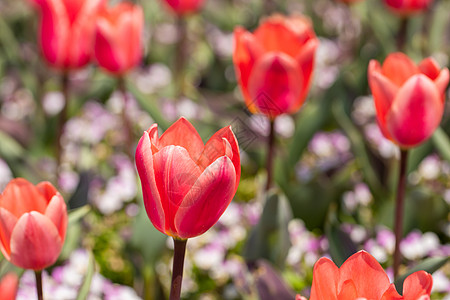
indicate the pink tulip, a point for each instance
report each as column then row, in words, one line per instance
column 118, row 39
column 8, row 286
column 187, row 185
column 409, row 99
column 184, row 7
column 408, row 7
column 33, row 222
column 66, row 32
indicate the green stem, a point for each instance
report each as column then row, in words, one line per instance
column 399, row 207
column 62, row 115
column 402, row 34
column 270, row 154
column 180, row 59
column 126, row 122
column 39, row 284
column 177, row 270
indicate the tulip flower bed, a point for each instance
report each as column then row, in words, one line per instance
column 210, row 149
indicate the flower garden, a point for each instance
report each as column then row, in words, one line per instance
column 224, row 149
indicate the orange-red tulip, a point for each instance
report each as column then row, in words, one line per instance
column 66, row 32
column 187, row 185
column 409, row 99
column 118, row 38
column 274, row 64
column 8, row 286
column 33, row 222
column 408, row 7
column 184, row 7
column 362, row 277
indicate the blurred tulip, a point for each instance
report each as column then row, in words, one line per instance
column 8, row 286
column 184, row 7
column 118, row 38
column 274, row 65
column 66, row 32
column 362, row 277
column 408, row 7
column 33, row 222
column 187, row 185
column 409, row 99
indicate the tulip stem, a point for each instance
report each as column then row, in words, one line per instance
column 177, row 270
column 39, row 284
column 269, row 7
column 270, row 154
column 181, row 55
column 399, row 207
column 126, row 122
column 402, row 34
column 63, row 115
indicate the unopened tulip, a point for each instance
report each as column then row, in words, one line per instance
column 362, row 277
column 408, row 7
column 274, row 65
column 409, row 98
column 8, row 286
column 33, row 222
column 118, row 38
column 66, row 32
column 184, row 7
column 187, row 185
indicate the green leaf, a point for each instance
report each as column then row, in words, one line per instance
column 341, row 246
column 429, row 265
column 83, row 292
column 9, row 147
column 76, row 214
column 442, row 143
column 270, row 238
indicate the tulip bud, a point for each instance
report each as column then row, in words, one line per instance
column 33, row 223
column 118, row 38
column 66, row 31
column 409, row 99
column 274, row 64
column 184, row 7
column 187, row 185
column 408, row 7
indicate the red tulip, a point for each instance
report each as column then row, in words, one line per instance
column 187, row 185
column 408, row 7
column 118, row 39
column 409, row 99
column 362, row 277
column 274, row 64
column 184, row 7
column 33, row 222
column 66, row 31
column 8, row 286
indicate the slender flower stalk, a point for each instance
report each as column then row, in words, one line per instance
column 39, row 284
column 270, row 154
column 399, row 208
column 402, row 36
column 181, row 57
column 65, row 86
column 177, row 270
column 129, row 137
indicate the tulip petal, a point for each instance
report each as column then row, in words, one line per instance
column 7, row 223
column 430, row 68
column 358, row 268
column 348, row 291
column 305, row 61
column 20, row 196
column 398, row 67
column 391, row 294
column 325, row 280
column 384, row 92
column 107, row 47
column 442, row 82
column 276, row 84
column 57, row 212
column 144, row 165
column 47, row 190
column 287, row 35
column 207, row 200
column 416, row 112
column 416, row 285
column 183, row 134
column 244, row 60
column 175, row 174
column 8, row 286
column 35, row 242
